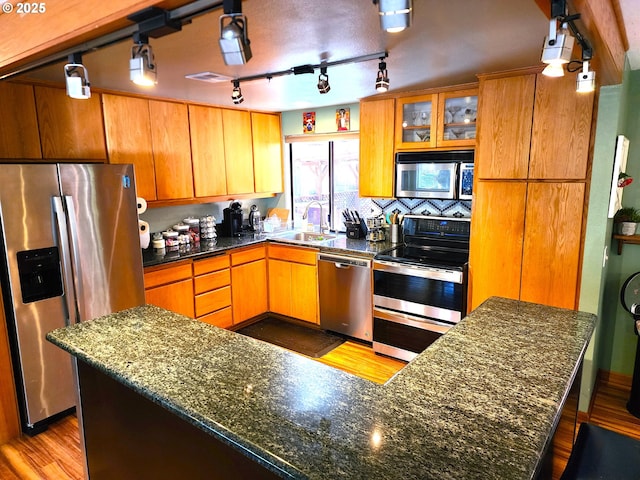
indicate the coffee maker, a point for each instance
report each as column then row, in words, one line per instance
column 232, row 220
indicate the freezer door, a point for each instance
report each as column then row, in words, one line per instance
column 34, row 304
column 103, row 228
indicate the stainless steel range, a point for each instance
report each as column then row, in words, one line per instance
column 420, row 287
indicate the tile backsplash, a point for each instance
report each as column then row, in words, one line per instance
column 421, row 206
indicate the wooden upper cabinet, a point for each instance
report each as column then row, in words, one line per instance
column 128, row 133
column 497, row 232
column 561, row 129
column 70, row 128
column 238, row 151
column 267, row 152
column 19, row 136
column 551, row 257
column 456, row 118
column 416, row 122
column 207, row 151
column 171, row 149
column 505, row 115
column 376, row 148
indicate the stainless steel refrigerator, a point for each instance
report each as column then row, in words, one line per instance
column 70, row 252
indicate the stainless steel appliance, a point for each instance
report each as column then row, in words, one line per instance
column 70, row 252
column 437, row 174
column 420, row 287
column 345, row 295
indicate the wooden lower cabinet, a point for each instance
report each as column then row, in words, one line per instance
column 293, row 282
column 552, row 244
column 171, row 288
column 212, row 288
column 248, row 283
column 526, row 241
column 497, row 234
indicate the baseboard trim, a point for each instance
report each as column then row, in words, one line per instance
column 615, row 379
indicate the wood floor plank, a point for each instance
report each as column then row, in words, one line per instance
column 360, row 360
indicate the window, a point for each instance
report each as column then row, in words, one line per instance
column 326, row 172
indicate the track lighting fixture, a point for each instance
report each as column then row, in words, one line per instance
column 77, row 78
column 586, row 79
column 323, row 80
column 236, row 94
column 234, row 41
column 143, row 69
column 382, row 80
column 557, row 49
column 395, row 15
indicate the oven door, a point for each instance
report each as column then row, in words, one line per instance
column 404, row 336
column 414, row 305
column 437, row 293
column 426, row 180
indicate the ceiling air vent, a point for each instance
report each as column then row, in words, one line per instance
column 209, row 77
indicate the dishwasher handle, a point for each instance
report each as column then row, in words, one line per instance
column 343, row 261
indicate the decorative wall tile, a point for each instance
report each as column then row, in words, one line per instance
column 420, row 206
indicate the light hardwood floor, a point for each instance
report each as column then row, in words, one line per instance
column 55, row 453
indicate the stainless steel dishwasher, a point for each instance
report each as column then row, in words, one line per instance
column 345, row 295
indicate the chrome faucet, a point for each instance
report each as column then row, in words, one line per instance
column 323, row 225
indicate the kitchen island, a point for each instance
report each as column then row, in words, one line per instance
column 482, row 402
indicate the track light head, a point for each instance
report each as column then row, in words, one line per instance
column 586, row 79
column 557, row 48
column 236, row 94
column 143, row 70
column 323, row 81
column 382, row 80
column 234, row 42
column 77, row 78
column 395, row 15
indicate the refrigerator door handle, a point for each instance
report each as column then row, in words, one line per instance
column 65, row 260
column 75, row 256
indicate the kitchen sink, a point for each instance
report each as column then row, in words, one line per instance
column 307, row 236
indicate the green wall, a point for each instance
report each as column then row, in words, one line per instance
column 618, row 339
column 598, row 232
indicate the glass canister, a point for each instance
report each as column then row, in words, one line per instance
column 171, row 239
column 194, row 228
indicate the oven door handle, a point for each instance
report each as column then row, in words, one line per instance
column 419, row 271
column 411, row 320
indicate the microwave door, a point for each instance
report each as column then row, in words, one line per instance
column 426, row 180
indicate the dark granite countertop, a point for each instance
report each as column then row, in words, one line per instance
column 340, row 244
column 478, row 403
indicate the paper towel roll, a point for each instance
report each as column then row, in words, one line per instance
column 145, row 236
column 142, row 205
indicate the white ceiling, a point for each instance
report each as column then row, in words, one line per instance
column 447, row 44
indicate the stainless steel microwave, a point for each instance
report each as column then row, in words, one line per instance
column 443, row 175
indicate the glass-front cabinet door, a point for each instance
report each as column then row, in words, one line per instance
column 457, row 123
column 415, row 122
